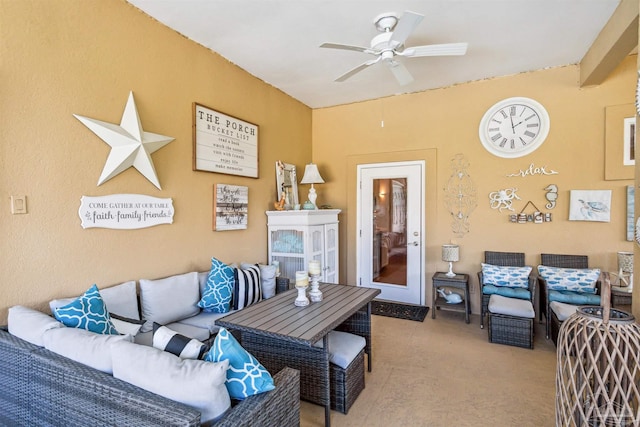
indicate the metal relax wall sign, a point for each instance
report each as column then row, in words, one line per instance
column 125, row 211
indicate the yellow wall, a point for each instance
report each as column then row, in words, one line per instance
column 77, row 57
column 436, row 125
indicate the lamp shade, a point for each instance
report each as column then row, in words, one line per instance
column 451, row 253
column 311, row 175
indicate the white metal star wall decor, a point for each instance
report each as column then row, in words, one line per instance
column 130, row 145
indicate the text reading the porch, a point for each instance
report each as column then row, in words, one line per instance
column 225, row 144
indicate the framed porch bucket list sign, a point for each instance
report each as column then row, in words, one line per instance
column 230, row 207
column 224, row 144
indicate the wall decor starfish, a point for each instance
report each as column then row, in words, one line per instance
column 130, row 144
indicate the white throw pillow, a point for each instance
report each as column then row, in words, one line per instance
column 170, row 299
column 196, row 383
column 83, row 346
column 29, row 324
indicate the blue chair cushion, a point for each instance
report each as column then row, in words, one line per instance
column 520, row 293
column 576, row 298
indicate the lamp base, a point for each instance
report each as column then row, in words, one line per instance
column 313, row 196
column 450, row 273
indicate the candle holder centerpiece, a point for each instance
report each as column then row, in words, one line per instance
column 314, row 271
column 302, row 283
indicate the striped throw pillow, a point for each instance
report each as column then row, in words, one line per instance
column 247, row 288
column 184, row 347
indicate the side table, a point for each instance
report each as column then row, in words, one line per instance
column 621, row 296
column 459, row 281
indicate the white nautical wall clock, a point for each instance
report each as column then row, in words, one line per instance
column 514, row 127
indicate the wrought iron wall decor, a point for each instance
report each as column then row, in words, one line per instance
column 460, row 195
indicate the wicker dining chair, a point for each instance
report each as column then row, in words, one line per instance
column 560, row 261
column 503, row 259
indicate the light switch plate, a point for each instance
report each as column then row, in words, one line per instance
column 18, row 205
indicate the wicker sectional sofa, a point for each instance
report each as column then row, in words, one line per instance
column 54, row 375
column 42, row 388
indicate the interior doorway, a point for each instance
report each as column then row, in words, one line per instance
column 391, row 230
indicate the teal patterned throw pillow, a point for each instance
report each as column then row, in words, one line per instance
column 570, row 279
column 513, row 277
column 245, row 376
column 216, row 297
column 87, row 312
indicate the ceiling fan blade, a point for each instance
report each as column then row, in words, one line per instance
column 405, row 27
column 347, row 47
column 448, row 49
column 356, row 70
column 400, row 72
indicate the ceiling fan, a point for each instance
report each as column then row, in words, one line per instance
column 388, row 44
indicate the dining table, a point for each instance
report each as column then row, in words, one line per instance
column 279, row 333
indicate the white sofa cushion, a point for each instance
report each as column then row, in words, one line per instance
column 166, row 300
column 83, row 346
column 196, row 383
column 205, row 320
column 29, row 324
column 120, row 299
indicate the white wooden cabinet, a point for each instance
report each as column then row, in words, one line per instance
column 296, row 237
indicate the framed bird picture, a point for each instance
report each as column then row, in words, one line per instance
column 590, row 205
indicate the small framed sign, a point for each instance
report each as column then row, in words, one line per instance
column 230, row 207
column 224, row 144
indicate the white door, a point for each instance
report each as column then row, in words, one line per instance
column 391, row 230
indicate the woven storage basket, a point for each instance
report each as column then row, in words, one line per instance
column 598, row 369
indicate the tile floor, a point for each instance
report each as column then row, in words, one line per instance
column 444, row 372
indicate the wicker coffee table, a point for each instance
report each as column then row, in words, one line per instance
column 279, row 333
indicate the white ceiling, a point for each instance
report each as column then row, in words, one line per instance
column 278, row 40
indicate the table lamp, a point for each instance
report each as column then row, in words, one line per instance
column 450, row 254
column 312, row 176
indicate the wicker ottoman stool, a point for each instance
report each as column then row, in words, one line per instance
column 346, row 371
column 511, row 321
column 560, row 311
